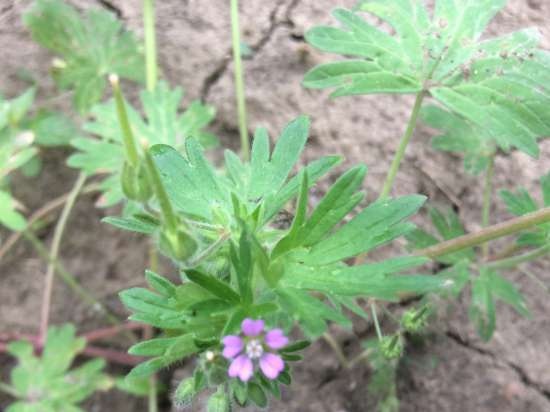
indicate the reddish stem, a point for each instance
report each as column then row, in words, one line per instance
column 103, row 333
column 110, row 355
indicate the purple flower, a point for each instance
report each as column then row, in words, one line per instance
column 252, row 347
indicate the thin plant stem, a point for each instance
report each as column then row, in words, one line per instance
column 337, row 350
column 148, row 334
column 535, row 279
column 54, row 252
column 104, row 333
column 518, row 260
column 362, row 356
column 48, row 208
column 239, row 80
column 487, row 197
column 70, row 280
column 10, row 390
column 150, row 44
column 209, row 250
column 499, row 230
column 375, row 320
column 169, row 216
column 400, row 153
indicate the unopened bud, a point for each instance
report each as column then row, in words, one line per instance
column 185, row 392
column 180, row 246
column 135, row 182
column 391, row 347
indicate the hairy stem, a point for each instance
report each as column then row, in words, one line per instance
column 518, row 260
column 239, row 79
column 487, row 196
column 54, row 252
column 150, row 44
column 509, row 227
column 400, row 153
column 168, row 214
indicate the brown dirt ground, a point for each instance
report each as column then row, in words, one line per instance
column 454, row 371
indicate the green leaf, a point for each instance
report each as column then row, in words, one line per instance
column 9, row 217
column 269, row 173
column 202, row 189
column 379, row 223
column 482, row 308
column 309, row 311
column 496, row 88
column 459, row 136
column 214, row 286
column 133, row 224
column 335, row 205
column 56, row 387
column 91, row 46
column 162, row 124
column 448, row 226
column 506, row 291
column 160, row 284
column 53, row 129
column 519, row 203
column 376, row 280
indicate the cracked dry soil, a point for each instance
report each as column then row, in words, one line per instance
column 452, row 370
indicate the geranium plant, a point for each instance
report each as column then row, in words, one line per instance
column 252, row 291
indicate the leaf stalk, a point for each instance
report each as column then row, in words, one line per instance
column 400, row 153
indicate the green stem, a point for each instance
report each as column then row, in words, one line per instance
column 153, row 382
column 509, row 227
column 150, row 44
column 239, row 79
column 400, row 153
column 130, row 146
column 54, row 252
column 518, row 260
column 487, row 196
column 168, row 214
column 10, row 390
column 71, row 282
column 337, row 350
column 375, row 320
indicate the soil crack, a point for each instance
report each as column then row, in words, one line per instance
column 522, row 375
column 275, row 23
column 112, row 8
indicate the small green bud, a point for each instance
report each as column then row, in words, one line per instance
column 180, row 246
column 413, row 321
column 185, row 393
column 135, row 182
column 218, row 402
column 391, row 347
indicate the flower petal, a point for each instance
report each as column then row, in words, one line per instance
column 233, row 345
column 271, row 365
column 242, row 367
column 252, row 327
column 276, row 339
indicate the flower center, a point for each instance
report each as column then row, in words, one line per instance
column 254, row 349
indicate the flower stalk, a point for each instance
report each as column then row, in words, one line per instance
column 239, row 80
